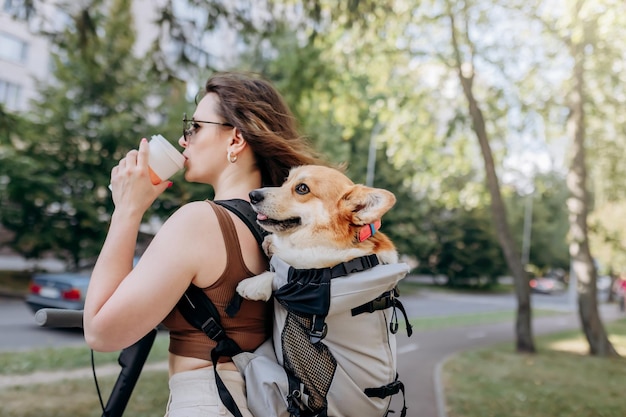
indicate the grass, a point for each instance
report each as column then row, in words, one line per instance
column 51, row 359
column 78, row 398
column 439, row 322
column 559, row 381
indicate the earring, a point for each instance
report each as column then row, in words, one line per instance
column 231, row 157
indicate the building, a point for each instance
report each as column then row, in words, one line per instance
column 25, row 51
column 24, row 57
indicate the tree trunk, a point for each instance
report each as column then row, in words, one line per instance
column 523, row 325
column 578, row 205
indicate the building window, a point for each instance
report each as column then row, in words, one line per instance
column 19, row 9
column 13, row 49
column 10, row 94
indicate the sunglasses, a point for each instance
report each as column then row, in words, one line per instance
column 190, row 126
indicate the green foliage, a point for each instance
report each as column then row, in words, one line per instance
column 461, row 245
column 548, row 237
column 607, row 230
column 96, row 109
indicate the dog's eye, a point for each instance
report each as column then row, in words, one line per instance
column 302, row 189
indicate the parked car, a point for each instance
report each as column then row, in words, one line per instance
column 546, row 285
column 58, row 290
column 65, row 290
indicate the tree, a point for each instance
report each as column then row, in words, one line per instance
column 582, row 36
column 464, row 57
column 96, row 109
column 583, row 265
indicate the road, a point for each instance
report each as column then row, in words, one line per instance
column 18, row 330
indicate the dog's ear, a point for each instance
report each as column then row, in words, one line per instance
column 365, row 204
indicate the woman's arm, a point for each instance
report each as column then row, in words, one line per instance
column 123, row 303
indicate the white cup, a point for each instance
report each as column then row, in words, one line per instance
column 165, row 160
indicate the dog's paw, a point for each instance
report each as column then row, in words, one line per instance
column 257, row 288
column 268, row 246
column 388, row 257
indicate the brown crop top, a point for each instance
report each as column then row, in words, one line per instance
column 249, row 326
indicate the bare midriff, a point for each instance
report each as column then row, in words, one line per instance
column 182, row 363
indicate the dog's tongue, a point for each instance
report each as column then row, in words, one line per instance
column 261, row 216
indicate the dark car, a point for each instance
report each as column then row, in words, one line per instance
column 65, row 290
column 546, row 285
column 58, row 290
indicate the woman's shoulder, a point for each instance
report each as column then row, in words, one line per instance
column 194, row 216
column 193, row 207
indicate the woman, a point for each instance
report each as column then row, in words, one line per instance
column 242, row 136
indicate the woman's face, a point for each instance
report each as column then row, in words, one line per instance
column 206, row 143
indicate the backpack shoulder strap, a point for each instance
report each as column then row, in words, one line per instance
column 200, row 312
column 244, row 211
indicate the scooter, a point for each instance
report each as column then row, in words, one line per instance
column 130, row 359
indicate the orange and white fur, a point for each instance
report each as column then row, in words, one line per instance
column 317, row 220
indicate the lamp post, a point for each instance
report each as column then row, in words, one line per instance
column 527, row 232
column 371, row 156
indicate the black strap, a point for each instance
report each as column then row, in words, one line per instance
column 355, row 265
column 225, row 347
column 200, row 312
column 383, row 302
column 244, row 211
column 387, row 390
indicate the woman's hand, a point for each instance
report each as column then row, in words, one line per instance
column 130, row 181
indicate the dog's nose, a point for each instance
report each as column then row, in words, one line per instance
column 256, row 196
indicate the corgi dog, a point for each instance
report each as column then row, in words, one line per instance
column 318, row 219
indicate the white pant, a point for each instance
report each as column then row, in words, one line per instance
column 194, row 394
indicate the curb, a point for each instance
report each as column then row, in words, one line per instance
column 440, row 397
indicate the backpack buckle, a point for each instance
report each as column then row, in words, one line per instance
column 318, row 329
column 212, row 329
column 317, row 335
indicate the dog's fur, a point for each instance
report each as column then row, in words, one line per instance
column 315, row 218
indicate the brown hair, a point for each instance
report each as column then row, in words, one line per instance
column 255, row 107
